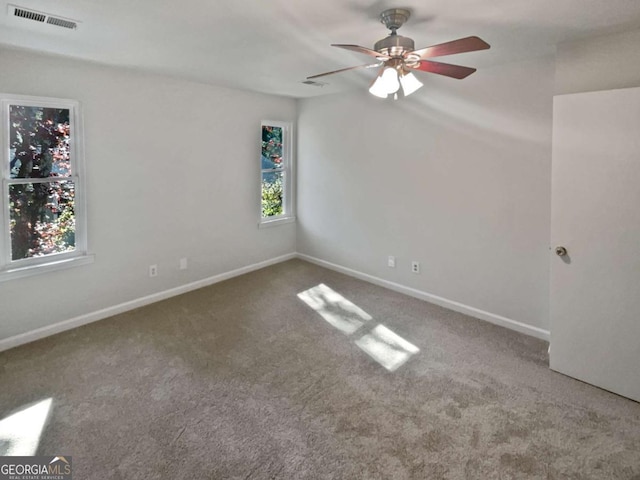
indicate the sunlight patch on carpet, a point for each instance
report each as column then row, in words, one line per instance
column 334, row 308
column 387, row 348
column 383, row 345
column 20, row 432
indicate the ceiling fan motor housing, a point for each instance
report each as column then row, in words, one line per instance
column 394, row 45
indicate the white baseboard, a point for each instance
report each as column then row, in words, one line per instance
column 21, row 339
column 443, row 302
column 27, row 337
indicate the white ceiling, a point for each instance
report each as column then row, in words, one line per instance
column 272, row 45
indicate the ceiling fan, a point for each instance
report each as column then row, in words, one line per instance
column 398, row 58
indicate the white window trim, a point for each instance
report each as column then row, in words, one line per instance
column 10, row 269
column 288, row 201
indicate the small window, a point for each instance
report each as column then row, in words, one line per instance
column 42, row 217
column 276, row 173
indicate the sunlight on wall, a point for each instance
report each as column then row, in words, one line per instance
column 383, row 345
column 334, row 308
column 20, row 432
column 387, row 348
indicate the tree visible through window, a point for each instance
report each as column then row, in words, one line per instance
column 42, row 217
column 275, row 171
column 40, row 181
column 272, row 171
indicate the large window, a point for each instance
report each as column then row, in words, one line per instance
column 276, row 173
column 42, row 217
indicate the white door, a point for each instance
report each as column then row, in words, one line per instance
column 595, row 287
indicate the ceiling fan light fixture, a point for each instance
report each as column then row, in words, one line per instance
column 377, row 88
column 387, row 83
column 389, row 79
column 410, row 83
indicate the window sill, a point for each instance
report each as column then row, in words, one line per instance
column 52, row 266
column 276, row 221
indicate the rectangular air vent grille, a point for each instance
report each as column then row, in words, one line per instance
column 61, row 22
column 42, row 17
column 38, row 17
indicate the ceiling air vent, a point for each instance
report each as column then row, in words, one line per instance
column 29, row 15
column 314, row 83
column 42, row 17
column 61, row 22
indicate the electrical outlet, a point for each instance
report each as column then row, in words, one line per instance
column 415, row 267
column 391, row 261
column 153, row 270
column 183, row 264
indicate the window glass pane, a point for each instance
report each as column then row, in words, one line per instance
column 272, row 194
column 39, row 144
column 42, row 218
column 271, row 147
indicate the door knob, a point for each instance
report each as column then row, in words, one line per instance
column 561, row 251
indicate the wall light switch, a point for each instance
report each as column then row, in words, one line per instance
column 391, row 261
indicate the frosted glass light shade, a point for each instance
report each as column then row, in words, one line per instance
column 410, row 83
column 378, row 88
column 386, row 84
column 389, row 78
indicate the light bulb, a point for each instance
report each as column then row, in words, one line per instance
column 390, row 81
column 378, row 89
column 409, row 83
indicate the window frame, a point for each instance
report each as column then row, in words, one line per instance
column 9, row 268
column 287, row 169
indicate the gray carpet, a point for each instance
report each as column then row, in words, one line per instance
column 247, row 380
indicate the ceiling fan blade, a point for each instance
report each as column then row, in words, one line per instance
column 359, row 49
column 462, row 45
column 453, row 71
column 343, row 70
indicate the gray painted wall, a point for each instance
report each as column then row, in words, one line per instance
column 173, row 172
column 457, row 177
